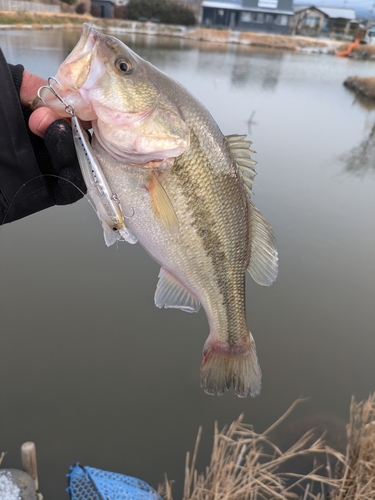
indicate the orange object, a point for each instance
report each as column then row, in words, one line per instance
column 347, row 51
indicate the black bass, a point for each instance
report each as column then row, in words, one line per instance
column 185, row 190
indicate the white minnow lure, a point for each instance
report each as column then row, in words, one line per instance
column 106, row 203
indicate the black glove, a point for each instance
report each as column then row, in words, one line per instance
column 35, row 173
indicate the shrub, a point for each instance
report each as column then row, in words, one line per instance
column 81, row 8
column 95, row 10
column 167, row 11
column 69, row 2
column 120, row 12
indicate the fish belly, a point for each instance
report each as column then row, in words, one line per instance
column 207, row 255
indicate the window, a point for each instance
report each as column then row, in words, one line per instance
column 268, row 4
column 259, row 17
column 246, row 17
column 311, row 22
column 281, row 20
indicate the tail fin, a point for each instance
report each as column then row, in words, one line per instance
column 224, row 366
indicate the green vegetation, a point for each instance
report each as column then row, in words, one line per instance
column 165, row 11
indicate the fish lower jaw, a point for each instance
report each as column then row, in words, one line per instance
column 225, row 366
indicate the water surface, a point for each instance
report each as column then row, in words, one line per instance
column 93, row 372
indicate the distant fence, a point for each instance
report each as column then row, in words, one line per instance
column 24, row 5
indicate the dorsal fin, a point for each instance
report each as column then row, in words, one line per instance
column 241, row 153
column 170, row 293
column 264, row 260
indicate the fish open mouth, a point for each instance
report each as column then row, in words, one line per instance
column 76, row 67
column 84, row 45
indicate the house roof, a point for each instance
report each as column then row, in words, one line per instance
column 235, row 6
column 334, row 13
column 222, row 5
column 331, row 12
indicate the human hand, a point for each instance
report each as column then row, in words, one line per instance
column 60, row 165
column 42, row 117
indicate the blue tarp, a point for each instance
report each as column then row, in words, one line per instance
column 88, row 483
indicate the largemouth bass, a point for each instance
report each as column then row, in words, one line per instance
column 186, row 190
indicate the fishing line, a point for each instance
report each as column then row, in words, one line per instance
column 84, row 195
column 38, row 177
column 69, row 109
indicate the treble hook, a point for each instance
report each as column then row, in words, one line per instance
column 68, row 107
column 117, row 200
column 107, row 204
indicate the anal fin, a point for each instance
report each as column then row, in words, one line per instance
column 170, row 293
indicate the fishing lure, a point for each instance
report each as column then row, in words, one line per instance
column 106, row 203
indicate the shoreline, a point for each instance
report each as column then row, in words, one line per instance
column 17, row 20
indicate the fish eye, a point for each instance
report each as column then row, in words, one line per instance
column 124, row 65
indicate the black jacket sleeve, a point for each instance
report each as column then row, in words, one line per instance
column 34, row 173
column 22, row 188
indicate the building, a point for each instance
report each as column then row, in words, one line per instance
column 312, row 20
column 271, row 16
column 102, row 8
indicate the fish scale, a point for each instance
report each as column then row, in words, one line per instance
column 188, row 188
column 223, row 241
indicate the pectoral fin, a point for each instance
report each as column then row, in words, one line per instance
column 170, row 293
column 161, row 204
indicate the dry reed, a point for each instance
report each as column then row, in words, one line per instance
column 362, row 51
column 246, row 465
column 358, row 479
column 362, row 85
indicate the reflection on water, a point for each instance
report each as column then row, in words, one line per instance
column 361, row 159
column 263, row 67
column 92, row 371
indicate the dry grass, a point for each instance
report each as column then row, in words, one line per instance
column 362, row 85
column 283, row 41
column 246, row 465
column 208, row 34
column 38, row 19
column 362, row 51
column 260, row 39
column 358, row 481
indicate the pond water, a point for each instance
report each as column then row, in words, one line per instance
column 93, row 372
